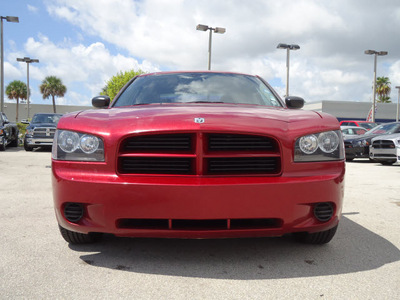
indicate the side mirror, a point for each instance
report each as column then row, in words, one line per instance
column 101, row 101
column 294, row 102
column 25, row 121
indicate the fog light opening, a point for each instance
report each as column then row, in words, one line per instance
column 73, row 212
column 323, row 211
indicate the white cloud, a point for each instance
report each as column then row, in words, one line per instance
column 32, row 8
column 157, row 34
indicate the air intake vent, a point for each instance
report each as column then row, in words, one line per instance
column 239, row 142
column 159, row 143
column 323, row 211
column 243, row 165
column 73, row 212
column 156, row 165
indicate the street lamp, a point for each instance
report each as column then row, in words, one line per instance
column 13, row 20
column 28, row 60
column 216, row 30
column 397, row 111
column 288, row 48
column 375, row 53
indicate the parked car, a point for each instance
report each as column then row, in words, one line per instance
column 365, row 124
column 198, row 155
column 352, row 131
column 359, row 147
column 8, row 133
column 385, row 149
column 40, row 131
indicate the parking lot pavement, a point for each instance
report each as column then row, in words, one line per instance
column 361, row 262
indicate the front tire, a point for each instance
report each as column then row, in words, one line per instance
column 77, row 238
column 3, row 145
column 316, row 238
column 26, row 147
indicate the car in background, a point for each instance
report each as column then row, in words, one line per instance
column 365, row 124
column 359, row 147
column 385, row 149
column 352, row 131
column 8, row 133
column 40, row 131
column 198, row 155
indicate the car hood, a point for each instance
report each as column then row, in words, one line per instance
column 223, row 117
column 34, row 125
column 394, row 136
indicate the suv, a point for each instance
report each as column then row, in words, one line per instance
column 386, row 149
column 40, row 131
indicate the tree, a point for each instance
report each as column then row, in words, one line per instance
column 52, row 86
column 16, row 90
column 117, row 82
column 383, row 89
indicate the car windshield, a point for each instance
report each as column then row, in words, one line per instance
column 385, row 129
column 46, row 118
column 197, row 88
column 367, row 125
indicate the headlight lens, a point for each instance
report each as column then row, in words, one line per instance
column 321, row 146
column 70, row 145
column 29, row 131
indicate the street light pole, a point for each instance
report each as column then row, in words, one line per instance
column 288, row 48
column 13, row 20
column 28, row 60
column 375, row 53
column 397, row 110
column 216, row 30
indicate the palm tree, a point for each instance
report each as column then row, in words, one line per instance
column 52, row 86
column 16, row 90
column 383, row 89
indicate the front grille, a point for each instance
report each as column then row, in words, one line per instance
column 200, row 153
column 44, row 132
column 383, row 144
column 199, row 225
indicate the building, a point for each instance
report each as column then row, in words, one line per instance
column 342, row 110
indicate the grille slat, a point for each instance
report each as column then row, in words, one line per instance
column 242, row 165
column 172, row 142
column 156, row 165
column 383, row 144
column 229, row 142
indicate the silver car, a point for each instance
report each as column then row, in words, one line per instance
column 385, row 149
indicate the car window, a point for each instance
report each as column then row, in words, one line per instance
column 197, row 87
column 385, row 129
column 46, row 118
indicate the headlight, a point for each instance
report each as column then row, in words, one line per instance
column 29, row 131
column 71, row 145
column 319, row 147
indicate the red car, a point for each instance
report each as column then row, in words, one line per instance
column 198, row 155
column 364, row 124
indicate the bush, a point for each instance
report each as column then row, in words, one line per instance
column 117, row 82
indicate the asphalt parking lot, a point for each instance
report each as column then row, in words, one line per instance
column 361, row 262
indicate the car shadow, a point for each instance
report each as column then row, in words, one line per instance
column 353, row 249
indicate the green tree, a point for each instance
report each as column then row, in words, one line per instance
column 16, row 90
column 117, row 82
column 52, row 86
column 383, row 89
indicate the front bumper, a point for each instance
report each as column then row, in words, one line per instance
column 392, row 155
column 195, row 207
column 37, row 142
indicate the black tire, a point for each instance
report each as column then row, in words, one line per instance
column 317, row 238
column 387, row 163
column 72, row 237
column 3, row 145
column 26, row 147
column 14, row 143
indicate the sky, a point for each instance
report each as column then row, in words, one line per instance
column 86, row 42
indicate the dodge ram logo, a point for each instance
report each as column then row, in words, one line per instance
column 48, row 132
column 199, row 120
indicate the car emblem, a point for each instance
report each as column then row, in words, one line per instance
column 48, row 132
column 199, row 120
